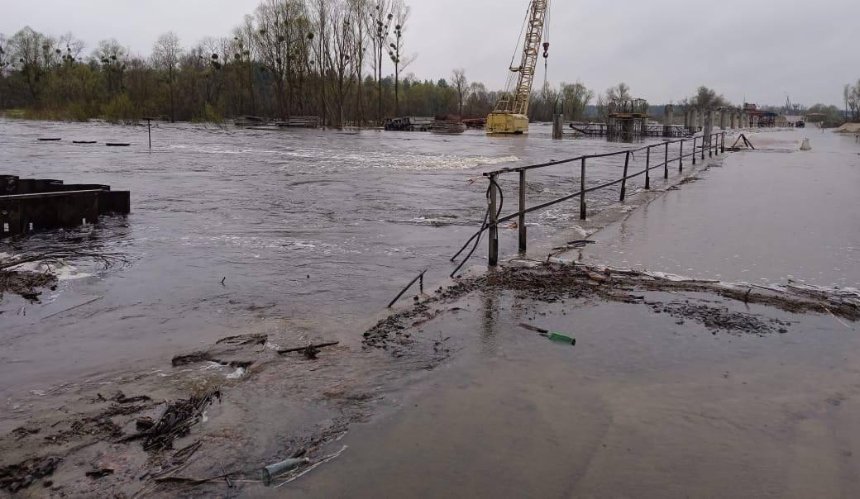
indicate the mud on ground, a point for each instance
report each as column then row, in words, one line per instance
column 554, row 282
column 208, row 422
column 211, row 419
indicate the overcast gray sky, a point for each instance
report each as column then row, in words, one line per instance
column 664, row 49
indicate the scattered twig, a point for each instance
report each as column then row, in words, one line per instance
column 192, row 481
column 840, row 321
column 304, row 348
column 177, row 420
column 314, row 466
column 73, row 308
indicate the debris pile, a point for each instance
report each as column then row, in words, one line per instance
column 20, row 476
column 177, row 420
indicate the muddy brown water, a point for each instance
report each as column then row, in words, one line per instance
column 768, row 216
column 642, row 406
column 317, row 229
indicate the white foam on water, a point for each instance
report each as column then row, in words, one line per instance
column 63, row 271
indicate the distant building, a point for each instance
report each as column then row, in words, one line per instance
column 794, row 120
column 816, row 117
column 765, row 119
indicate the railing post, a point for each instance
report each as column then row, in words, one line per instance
column 723, row 143
column 494, row 225
column 694, row 151
column 582, row 191
column 149, row 130
column 648, row 168
column 681, row 158
column 522, row 219
column 711, row 146
column 703, row 147
column 624, row 180
column 666, row 163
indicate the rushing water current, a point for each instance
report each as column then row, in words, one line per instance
column 318, row 229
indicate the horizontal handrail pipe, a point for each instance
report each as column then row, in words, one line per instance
column 713, row 144
column 518, row 169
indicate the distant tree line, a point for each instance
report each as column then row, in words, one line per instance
column 852, row 101
column 342, row 60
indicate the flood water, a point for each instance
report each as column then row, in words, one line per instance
column 775, row 215
column 315, row 230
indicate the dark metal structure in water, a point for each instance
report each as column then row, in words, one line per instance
column 29, row 205
column 627, row 120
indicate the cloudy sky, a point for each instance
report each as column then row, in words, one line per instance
column 763, row 50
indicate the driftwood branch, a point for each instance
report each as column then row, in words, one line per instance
column 308, row 347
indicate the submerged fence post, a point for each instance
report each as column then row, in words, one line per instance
column 681, row 158
column 624, row 180
column 582, row 192
column 557, row 126
column 648, row 168
column 494, row 224
column 522, row 219
column 149, row 130
column 694, row 151
column 666, row 163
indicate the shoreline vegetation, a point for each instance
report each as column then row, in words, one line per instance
column 345, row 61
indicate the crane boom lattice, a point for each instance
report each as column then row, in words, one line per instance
column 510, row 115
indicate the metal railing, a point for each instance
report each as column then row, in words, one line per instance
column 714, row 145
column 419, row 279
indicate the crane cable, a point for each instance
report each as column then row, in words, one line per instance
column 546, row 25
column 517, row 51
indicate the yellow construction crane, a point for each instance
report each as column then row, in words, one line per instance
column 510, row 116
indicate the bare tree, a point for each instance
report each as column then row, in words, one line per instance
column 576, row 98
column 359, row 12
column 33, row 53
column 112, row 58
column 281, row 25
column 461, row 84
column 480, row 101
column 340, row 57
column 5, row 61
column 400, row 14
column 322, row 28
column 854, row 101
column 381, row 26
column 273, row 40
column 5, row 66
column 706, row 99
column 166, row 54
column 243, row 55
column 618, row 92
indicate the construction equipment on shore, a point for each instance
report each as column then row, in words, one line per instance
column 510, row 116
